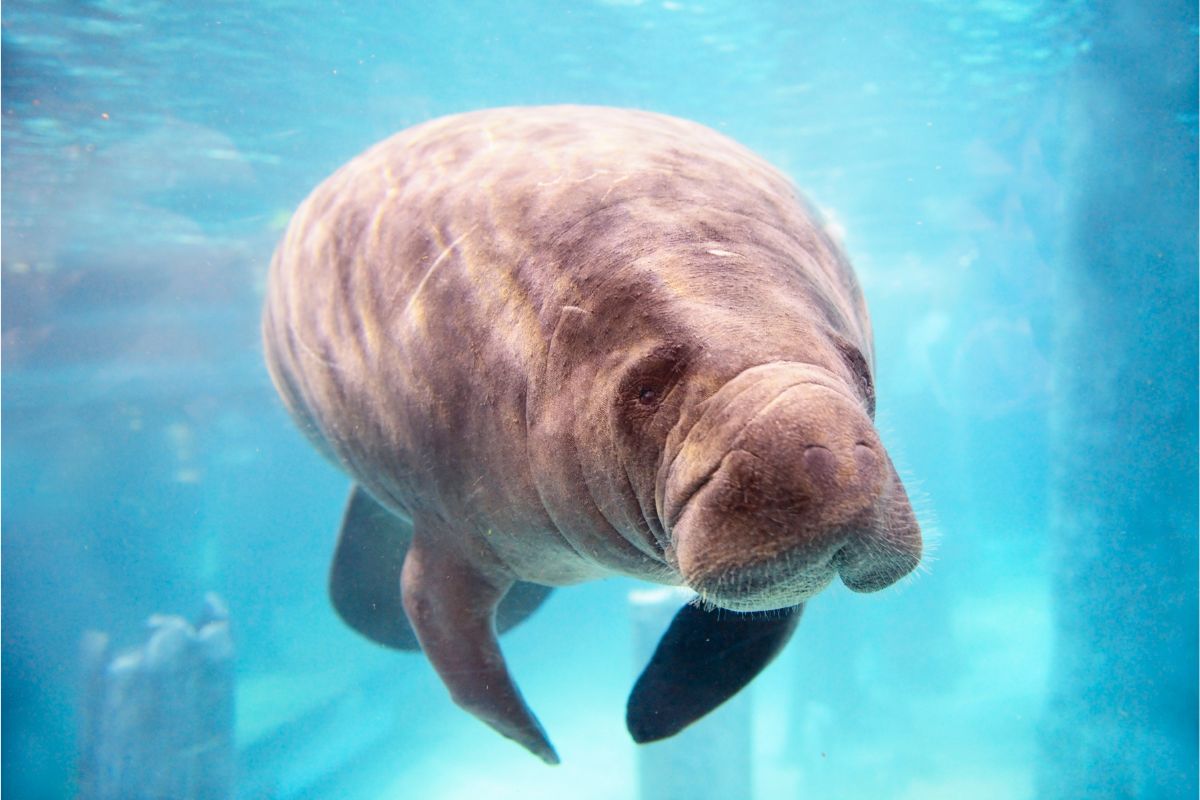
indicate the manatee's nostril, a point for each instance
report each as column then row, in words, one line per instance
column 867, row 459
column 820, row 465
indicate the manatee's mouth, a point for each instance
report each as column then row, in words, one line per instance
column 759, row 562
column 759, row 578
column 778, row 487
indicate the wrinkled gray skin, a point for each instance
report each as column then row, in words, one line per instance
column 572, row 342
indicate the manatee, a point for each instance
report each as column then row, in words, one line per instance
column 555, row 344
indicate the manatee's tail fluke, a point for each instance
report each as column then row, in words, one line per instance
column 364, row 582
column 703, row 659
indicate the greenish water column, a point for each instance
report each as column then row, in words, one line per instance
column 1122, row 718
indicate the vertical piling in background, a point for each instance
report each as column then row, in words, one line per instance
column 1122, row 719
column 157, row 721
column 709, row 760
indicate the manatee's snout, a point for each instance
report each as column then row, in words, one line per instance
column 781, row 484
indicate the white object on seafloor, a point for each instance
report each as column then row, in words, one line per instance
column 157, row 721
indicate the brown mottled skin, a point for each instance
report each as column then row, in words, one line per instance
column 571, row 342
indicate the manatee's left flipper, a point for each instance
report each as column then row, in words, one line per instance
column 452, row 606
column 364, row 580
column 703, row 659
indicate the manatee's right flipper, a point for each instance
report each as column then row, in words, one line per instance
column 451, row 604
column 364, row 582
column 703, row 659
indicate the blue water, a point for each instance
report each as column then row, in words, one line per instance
column 153, row 151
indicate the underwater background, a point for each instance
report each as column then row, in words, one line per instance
column 1015, row 181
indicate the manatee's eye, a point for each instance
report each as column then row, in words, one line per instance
column 650, row 390
column 648, row 381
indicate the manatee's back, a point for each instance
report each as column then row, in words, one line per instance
column 390, row 308
column 416, row 288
